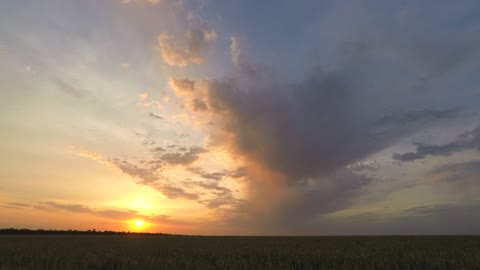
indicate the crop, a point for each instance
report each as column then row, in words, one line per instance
column 196, row 252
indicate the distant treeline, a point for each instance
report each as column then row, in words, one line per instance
column 70, row 232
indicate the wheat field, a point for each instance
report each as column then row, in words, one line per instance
column 64, row 252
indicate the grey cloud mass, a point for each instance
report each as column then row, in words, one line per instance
column 465, row 141
column 363, row 99
column 417, row 116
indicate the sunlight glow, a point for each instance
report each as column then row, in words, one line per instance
column 139, row 223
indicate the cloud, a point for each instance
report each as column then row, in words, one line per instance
column 301, row 130
column 190, row 50
column 142, row 97
column 173, row 192
column 219, row 195
column 154, row 116
column 112, row 214
column 465, row 141
column 78, row 208
column 445, row 208
column 187, row 89
column 149, row 173
column 15, row 205
column 459, row 171
column 459, row 178
column 158, row 149
column 186, row 158
column 335, row 192
column 182, row 86
column 424, row 115
column 152, row 2
column 235, row 50
column 70, row 89
column 299, row 137
column 212, row 176
column 146, row 174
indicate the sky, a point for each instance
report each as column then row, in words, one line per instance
column 240, row 117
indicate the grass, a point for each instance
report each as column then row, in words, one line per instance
column 190, row 252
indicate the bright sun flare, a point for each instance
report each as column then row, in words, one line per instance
column 139, row 223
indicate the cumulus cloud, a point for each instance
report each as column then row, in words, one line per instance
column 465, row 141
column 300, row 138
column 182, row 86
column 302, row 130
column 189, row 50
column 187, row 89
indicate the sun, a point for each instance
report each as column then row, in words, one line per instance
column 139, row 223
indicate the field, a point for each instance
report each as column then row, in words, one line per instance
column 190, row 252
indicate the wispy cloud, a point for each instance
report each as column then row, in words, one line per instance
column 465, row 141
column 154, row 116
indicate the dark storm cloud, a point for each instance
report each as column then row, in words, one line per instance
column 332, row 118
column 305, row 130
column 465, row 141
column 378, row 85
column 303, row 212
column 417, row 116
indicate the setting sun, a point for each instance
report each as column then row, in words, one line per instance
column 139, row 223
